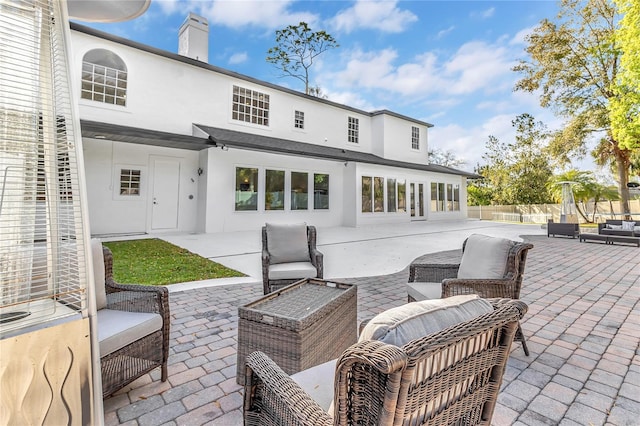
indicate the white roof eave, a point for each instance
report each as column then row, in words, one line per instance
column 106, row 10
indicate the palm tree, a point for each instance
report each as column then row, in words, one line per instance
column 585, row 189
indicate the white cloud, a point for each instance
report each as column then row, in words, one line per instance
column 238, row 58
column 489, row 12
column 478, row 65
column 370, row 14
column 444, row 32
column 238, row 14
column 352, row 99
column 519, row 38
column 475, row 67
column 169, row 7
column 469, row 144
column 484, row 14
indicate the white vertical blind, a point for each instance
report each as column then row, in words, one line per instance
column 42, row 276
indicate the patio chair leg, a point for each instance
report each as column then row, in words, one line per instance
column 164, row 375
column 520, row 337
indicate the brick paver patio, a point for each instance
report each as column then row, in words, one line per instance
column 582, row 328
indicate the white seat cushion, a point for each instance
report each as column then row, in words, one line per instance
column 398, row 326
column 98, row 273
column 287, row 271
column 484, row 257
column 424, row 291
column 117, row 329
column 287, row 243
column 318, row 383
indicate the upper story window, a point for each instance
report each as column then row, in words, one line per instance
column 352, row 135
column 250, row 106
column 415, row 137
column 298, row 120
column 104, row 77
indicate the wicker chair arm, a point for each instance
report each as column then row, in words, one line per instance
column 381, row 383
column 272, row 397
column 487, row 288
column 518, row 304
column 317, row 260
column 432, row 273
column 138, row 298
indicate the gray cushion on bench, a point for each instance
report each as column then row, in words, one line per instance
column 117, row 329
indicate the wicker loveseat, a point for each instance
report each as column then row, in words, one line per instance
column 615, row 227
column 451, row 376
column 289, row 254
column 133, row 325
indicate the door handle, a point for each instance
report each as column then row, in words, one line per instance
column 155, row 201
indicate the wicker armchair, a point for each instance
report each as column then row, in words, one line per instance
column 449, row 377
column 133, row 328
column 429, row 278
column 278, row 275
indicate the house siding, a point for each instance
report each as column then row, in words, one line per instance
column 168, row 93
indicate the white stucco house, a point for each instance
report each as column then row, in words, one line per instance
column 172, row 143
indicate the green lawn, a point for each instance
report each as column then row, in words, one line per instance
column 157, row 262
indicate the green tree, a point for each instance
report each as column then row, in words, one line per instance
column 517, row 172
column 573, row 63
column 444, row 158
column 625, row 105
column 479, row 191
column 297, row 48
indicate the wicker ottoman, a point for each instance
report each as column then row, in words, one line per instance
column 305, row 324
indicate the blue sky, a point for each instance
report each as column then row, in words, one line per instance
column 445, row 62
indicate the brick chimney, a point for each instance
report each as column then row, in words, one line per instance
column 193, row 38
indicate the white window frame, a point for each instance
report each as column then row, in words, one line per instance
column 116, row 182
column 415, row 138
column 298, row 119
column 104, row 84
column 353, row 129
column 250, row 106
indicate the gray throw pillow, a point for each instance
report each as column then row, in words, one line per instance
column 287, row 243
column 484, row 257
column 398, row 326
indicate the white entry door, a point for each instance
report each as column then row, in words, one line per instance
column 166, row 186
column 416, row 192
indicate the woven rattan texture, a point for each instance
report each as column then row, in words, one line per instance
column 445, row 269
column 450, row 377
column 140, row 357
column 326, row 325
column 316, row 258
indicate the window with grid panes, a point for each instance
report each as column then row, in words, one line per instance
column 129, row 182
column 353, row 127
column 250, row 106
column 415, row 137
column 104, row 77
column 298, row 120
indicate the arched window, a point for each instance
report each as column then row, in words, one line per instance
column 104, row 77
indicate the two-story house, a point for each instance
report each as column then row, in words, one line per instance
column 172, row 143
